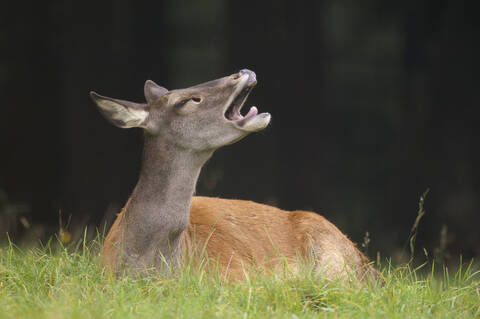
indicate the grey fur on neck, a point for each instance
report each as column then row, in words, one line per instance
column 159, row 209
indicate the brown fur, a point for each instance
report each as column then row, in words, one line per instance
column 239, row 233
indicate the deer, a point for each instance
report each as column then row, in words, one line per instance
column 163, row 223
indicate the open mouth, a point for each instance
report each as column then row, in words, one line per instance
column 251, row 121
column 233, row 111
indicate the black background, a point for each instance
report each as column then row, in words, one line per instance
column 372, row 102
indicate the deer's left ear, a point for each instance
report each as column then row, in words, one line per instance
column 123, row 114
column 153, row 91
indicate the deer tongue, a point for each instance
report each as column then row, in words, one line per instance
column 253, row 121
column 251, row 113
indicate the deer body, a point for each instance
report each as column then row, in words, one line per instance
column 239, row 233
column 163, row 223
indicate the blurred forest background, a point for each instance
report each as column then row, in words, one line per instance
column 372, row 103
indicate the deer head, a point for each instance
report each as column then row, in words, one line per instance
column 202, row 117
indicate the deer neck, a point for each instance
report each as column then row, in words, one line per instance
column 159, row 208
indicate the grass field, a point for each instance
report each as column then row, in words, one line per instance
column 59, row 283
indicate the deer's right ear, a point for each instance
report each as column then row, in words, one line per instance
column 123, row 114
column 153, row 91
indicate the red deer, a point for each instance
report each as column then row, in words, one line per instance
column 163, row 223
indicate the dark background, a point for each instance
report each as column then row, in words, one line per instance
column 372, row 103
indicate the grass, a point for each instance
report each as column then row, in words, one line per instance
column 61, row 283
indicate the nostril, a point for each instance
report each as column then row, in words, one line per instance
column 252, row 77
column 245, row 71
column 197, row 99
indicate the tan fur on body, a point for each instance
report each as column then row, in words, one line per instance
column 239, row 233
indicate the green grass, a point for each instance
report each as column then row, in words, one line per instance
column 58, row 283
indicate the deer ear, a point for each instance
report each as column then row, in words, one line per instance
column 153, row 91
column 123, row 114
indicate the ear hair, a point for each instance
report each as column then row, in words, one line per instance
column 153, row 91
column 123, row 114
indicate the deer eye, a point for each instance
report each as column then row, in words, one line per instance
column 181, row 103
column 185, row 101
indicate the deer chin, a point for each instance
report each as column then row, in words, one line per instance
column 252, row 121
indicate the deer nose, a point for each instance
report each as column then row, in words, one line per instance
column 252, row 77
